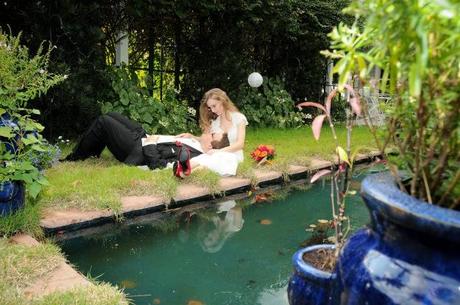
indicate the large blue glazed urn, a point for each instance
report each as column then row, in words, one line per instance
column 12, row 196
column 410, row 253
column 309, row 285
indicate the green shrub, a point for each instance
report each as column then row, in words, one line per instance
column 169, row 116
column 23, row 77
column 269, row 106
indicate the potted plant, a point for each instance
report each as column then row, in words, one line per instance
column 409, row 253
column 314, row 278
column 23, row 150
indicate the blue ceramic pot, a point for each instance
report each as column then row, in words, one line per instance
column 410, row 254
column 309, row 285
column 12, row 196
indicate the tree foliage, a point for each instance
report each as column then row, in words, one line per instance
column 189, row 45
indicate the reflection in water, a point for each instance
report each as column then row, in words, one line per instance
column 408, row 284
column 213, row 240
column 273, row 296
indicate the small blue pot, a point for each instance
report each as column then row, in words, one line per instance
column 12, row 197
column 410, row 254
column 308, row 285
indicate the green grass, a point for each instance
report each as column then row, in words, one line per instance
column 101, row 294
column 26, row 220
column 296, row 144
column 100, row 183
column 22, row 265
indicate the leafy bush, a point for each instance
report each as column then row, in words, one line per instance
column 269, row 106
column 416, row 46
column 22, row 78
column 169, row 116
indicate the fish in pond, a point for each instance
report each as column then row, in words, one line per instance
column 194, row 302
column 128, row 284
column 265, row 222
column 156, row 301
column 355, row 185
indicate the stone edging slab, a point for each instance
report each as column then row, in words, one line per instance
column 63, row 277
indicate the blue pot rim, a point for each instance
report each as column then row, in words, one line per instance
column 383, row 196
column 307, row 270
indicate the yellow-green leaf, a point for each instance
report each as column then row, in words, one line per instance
column 342, row 154
column 6, row 132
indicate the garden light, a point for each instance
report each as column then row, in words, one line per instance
column 255, row 79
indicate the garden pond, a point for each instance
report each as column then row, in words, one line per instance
column 233, row 252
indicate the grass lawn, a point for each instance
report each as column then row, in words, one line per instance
column 100, row 183
column 22, row 265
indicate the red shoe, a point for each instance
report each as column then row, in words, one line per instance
column 183, row 161
column 177, row 170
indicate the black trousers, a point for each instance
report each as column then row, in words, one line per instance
column 116, row 132
column 123, row 138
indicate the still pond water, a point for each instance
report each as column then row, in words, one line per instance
column 232, row 253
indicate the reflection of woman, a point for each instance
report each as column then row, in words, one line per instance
column 212, row 241
column 218, row 115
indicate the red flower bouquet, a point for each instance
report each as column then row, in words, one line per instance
column 263, row 153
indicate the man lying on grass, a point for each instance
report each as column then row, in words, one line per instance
column 130, row 144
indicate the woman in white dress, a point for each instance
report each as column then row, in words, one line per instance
column 218, row 114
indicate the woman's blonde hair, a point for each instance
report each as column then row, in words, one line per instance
column 206, row 115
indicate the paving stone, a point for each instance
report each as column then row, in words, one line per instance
column 61, row 218
column 62, row 278
column 317, row 164
column 190, row 191
column 133, row 203
column 297, row 172
column 266, row 178
column 233, row 183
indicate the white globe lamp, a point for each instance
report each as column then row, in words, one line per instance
column 255, row 79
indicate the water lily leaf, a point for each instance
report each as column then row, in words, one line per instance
column 319, row 174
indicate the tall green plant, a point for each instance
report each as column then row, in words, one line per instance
column 168, row 116
column 341, row 175
column 269, row 106
column 416, row 45
column 22, row 78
